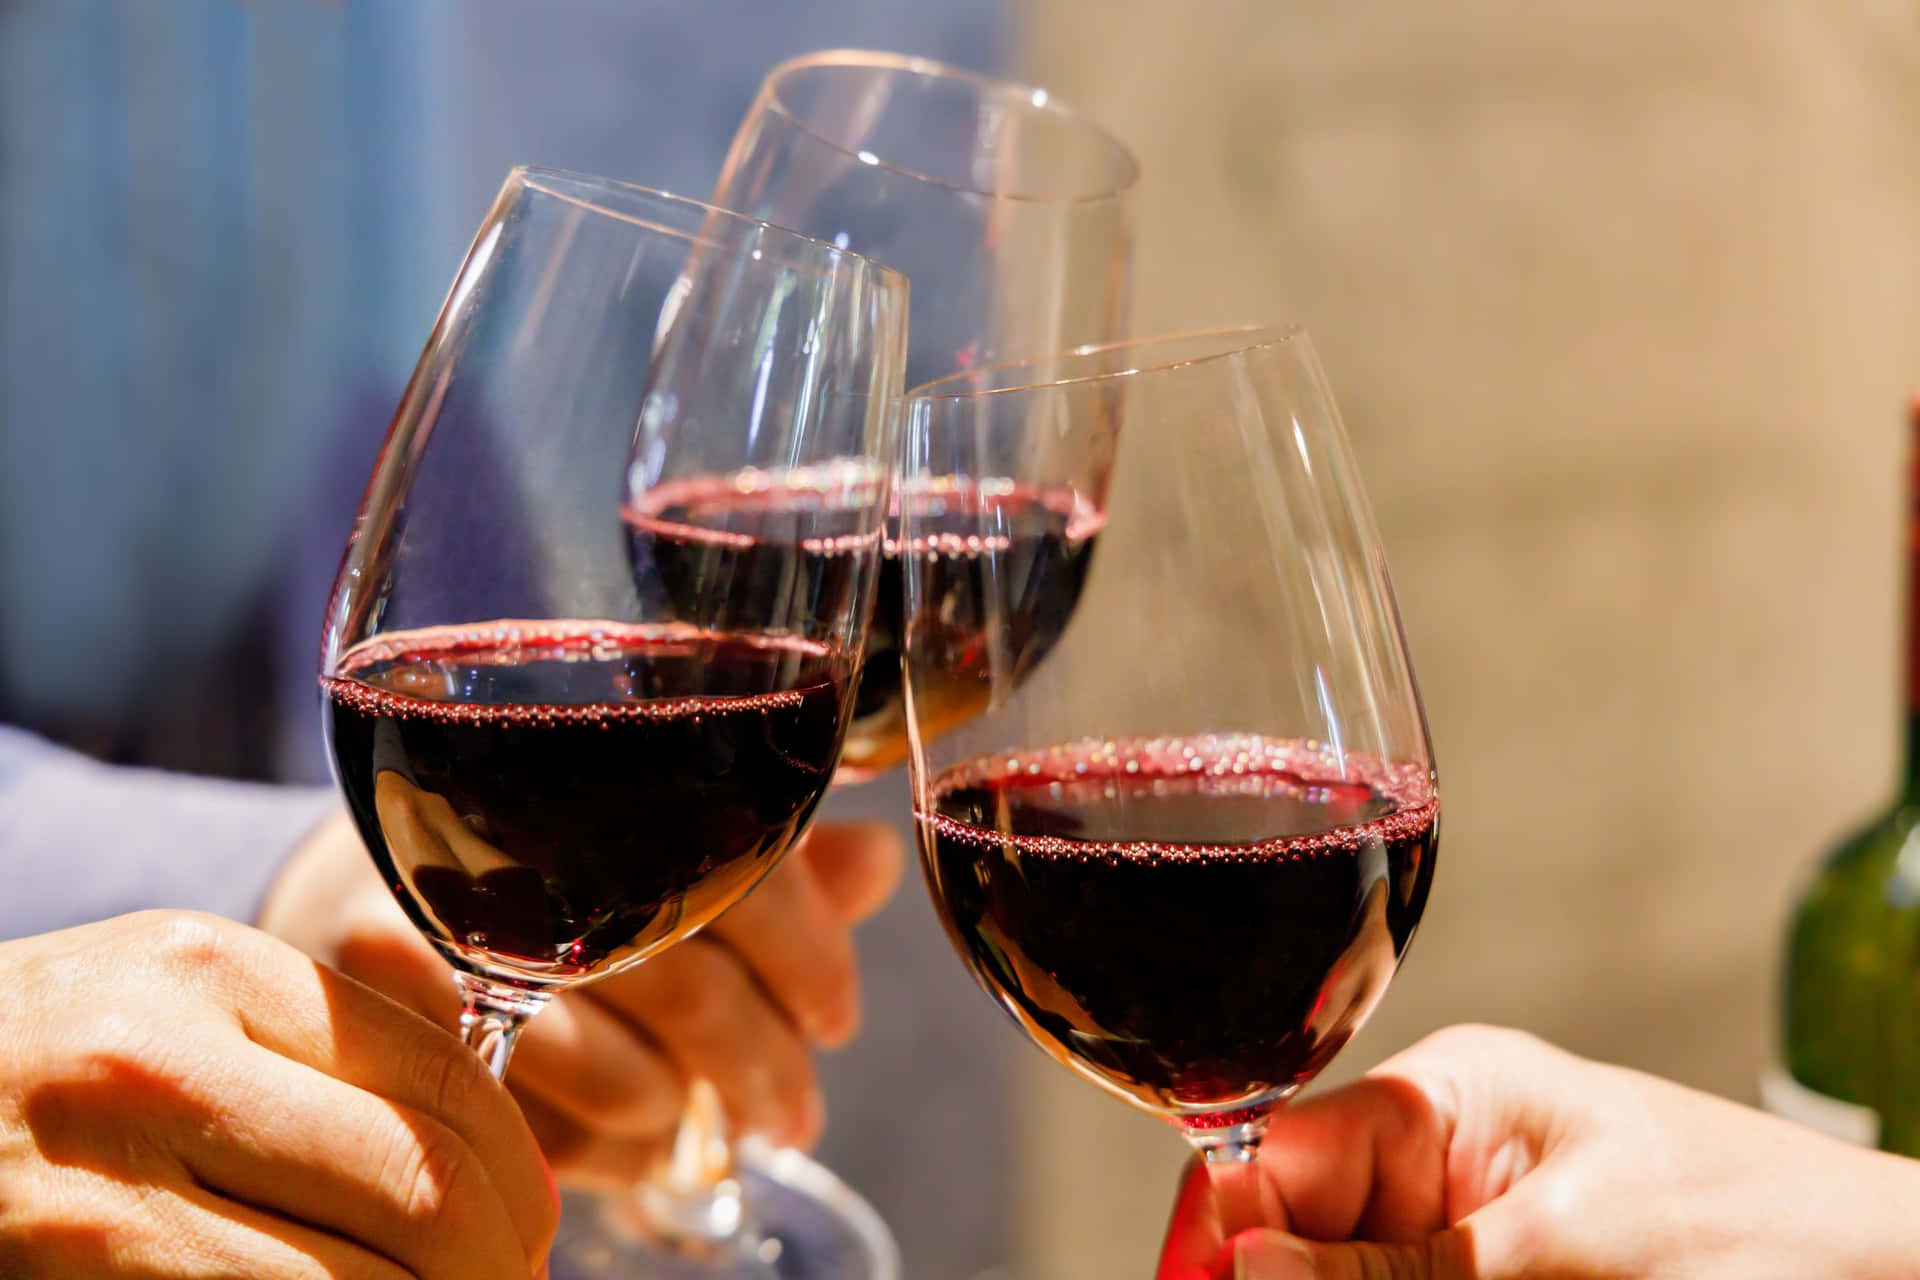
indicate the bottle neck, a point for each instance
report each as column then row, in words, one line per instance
column 1910, row 779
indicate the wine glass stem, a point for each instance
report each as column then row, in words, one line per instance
column 1242, row 1197
column 492, row 1016
column 695, row 1199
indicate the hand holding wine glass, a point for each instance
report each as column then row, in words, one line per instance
column 601, row 1074
column 1485, row 1154
column 186, row 1096
column 1186, row 836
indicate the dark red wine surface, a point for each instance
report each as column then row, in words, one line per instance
column 550, row 798
column 727, row 552
column 1198, row 923
column 753, row 552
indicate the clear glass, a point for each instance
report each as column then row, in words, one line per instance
column 1011, row 215
column 558, row 773
column 811, row 1226
column 1009, row 211
column 1188, row 827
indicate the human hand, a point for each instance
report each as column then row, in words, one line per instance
column 182, row 1096
column 602, row 1073
column 1482, row 1154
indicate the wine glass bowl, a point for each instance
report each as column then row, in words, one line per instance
column 503, row 765
column 1187, row 835
column 1009, row 211
column 1131, row 902
column 1003, row 139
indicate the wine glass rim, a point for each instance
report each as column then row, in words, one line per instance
column 1256, row 337
column 1033, row 97
column 542, row 179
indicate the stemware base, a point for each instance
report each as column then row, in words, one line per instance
column 804, row 1224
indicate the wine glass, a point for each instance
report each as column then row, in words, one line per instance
column 557, row 778
column 1185, row 840
column 1009, row 211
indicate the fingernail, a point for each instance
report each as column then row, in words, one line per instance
column 1271, row 1255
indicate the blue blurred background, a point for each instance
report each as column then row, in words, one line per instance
column 225, row 229
column 227, row 225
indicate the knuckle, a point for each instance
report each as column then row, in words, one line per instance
column 619, row 1100
column 705, row 1026
column 881, row 852
column 1556, row 1224
column 1408, row 1111
column 829, row 958
column 1478, row 1043
column 429, row 1179
column 704, row 1006
column 189, row 943
column 453, row 1080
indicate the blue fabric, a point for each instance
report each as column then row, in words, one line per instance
column 82, row 841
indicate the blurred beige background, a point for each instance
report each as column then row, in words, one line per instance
column 1622, row 302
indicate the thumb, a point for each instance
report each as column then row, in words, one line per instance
column 1274, row 1255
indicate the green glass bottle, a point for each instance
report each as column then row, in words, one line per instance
column 1851, row 988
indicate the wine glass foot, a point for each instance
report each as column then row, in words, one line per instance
column 802, row 1223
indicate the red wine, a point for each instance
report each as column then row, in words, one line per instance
column 751, row 551
column 723, row 552
column 1197, row 923
column 549, row 798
